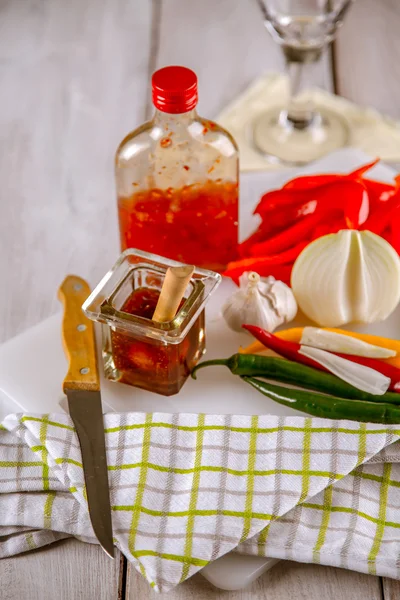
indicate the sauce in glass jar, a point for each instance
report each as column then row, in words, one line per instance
column 153, row 355
column 142, row 362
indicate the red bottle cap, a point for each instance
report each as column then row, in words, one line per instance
column 174, row 89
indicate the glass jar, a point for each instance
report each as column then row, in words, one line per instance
column 136, row 350
column 177, row 179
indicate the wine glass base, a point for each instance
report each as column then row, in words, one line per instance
column 280, row 142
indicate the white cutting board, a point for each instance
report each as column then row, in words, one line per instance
column 33, row 365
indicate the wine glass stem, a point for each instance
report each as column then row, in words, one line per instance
column 301, row 112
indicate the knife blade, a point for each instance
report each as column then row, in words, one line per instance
column 82, row 388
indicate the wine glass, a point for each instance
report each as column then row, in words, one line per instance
column 300, row 132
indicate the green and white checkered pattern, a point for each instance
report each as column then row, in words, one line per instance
column 188, row 488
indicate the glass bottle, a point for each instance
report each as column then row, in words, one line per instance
column 177, row 179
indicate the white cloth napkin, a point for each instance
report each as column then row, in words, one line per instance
column 186, row 489
column 370, row 131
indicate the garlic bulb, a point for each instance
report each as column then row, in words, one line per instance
column 350, row 276
column 264, row 302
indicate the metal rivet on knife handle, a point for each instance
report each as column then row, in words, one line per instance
column 78, row 336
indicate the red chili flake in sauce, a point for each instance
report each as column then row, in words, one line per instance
column 167, row 222
column 165, row 142
column 205, row 130
column 154, row 366
column 186, row 167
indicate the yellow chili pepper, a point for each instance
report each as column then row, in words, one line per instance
column 377, row 340
column 294, row 335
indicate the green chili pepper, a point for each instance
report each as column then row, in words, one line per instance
column 296, row 374
column 327, row 407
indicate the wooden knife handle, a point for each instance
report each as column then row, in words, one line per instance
column 78, row 336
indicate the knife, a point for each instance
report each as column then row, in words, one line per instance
column 82, row 388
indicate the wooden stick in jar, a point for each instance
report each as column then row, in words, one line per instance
column 172, row 291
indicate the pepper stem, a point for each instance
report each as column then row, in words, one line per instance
column 209, row 363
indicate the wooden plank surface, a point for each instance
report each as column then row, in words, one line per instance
column 73, row 79
column 67, row 570
column 368, row 55
column 285, row 581
column 391, row 589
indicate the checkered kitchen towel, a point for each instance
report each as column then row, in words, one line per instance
column 188, row 488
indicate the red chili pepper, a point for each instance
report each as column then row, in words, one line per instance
column 378, row 365
column 347, row 196
column 280, row 199
column 286, row 257
column 290, row 350
column 275, row 223
column 361, row 170
column 257, row 236
column 356, row 208
column 394, row 238
column 269, row 226
column 343, row 193
column 382, row 217
column 310, row 182
column 288, row 238
column 333, row 226
column 378, row 191
column 353, row 200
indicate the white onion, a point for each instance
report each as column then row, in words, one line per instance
column 342, row 343
column 362, row 377
column 350, row 276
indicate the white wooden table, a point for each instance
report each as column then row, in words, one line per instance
column 74, row 79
